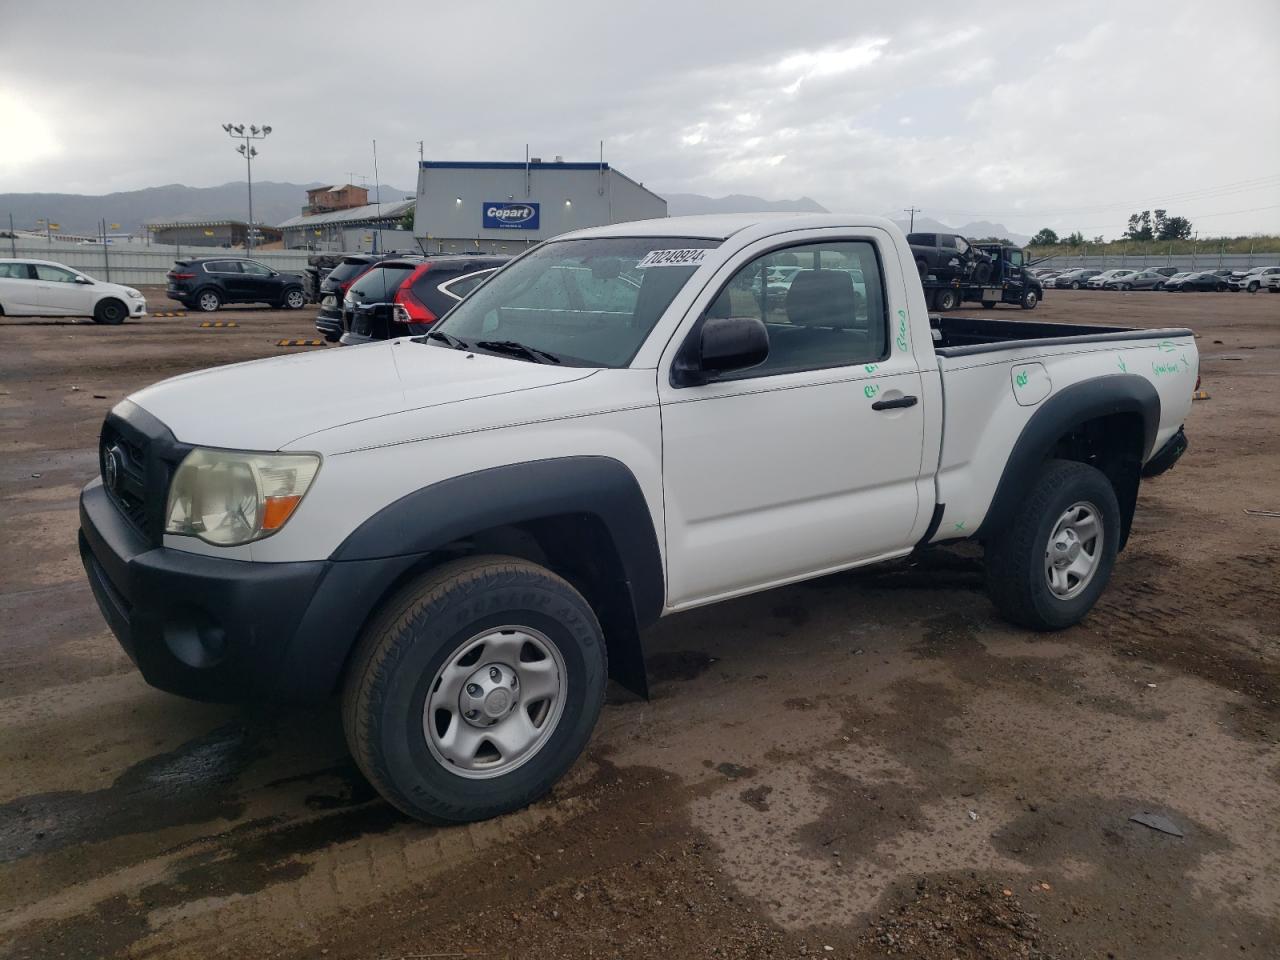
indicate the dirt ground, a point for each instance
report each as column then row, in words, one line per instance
column 868, row 765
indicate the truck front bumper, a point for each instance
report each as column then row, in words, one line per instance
column 225, row 630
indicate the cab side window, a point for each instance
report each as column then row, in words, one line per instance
column 15, row 271
column 254, row 269
column 823, row 305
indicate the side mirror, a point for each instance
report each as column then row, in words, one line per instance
column 84, row 280
column 721, row 345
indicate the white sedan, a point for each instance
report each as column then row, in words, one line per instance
column 42, row 288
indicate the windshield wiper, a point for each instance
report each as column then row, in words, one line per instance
column 455, row 342
column 518, row 349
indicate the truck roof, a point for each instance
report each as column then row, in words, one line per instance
column 720, row 226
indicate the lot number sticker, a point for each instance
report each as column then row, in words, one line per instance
column 672, row 258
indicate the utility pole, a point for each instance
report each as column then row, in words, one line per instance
column 420, row 153
column 248, row 151
column 13, row 238
column 106, row 258
column 377, row 199
column 912, row 211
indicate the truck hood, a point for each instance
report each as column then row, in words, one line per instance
column 268, row 404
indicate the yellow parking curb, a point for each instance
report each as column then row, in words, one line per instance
column 219, row 323
column 299, row 343
column 1200, row 395
column 168, row 313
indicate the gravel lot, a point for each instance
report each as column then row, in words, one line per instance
column 867, row 765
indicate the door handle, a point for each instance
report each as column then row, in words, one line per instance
column 897, row 403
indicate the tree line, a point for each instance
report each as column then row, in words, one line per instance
column 1147, row 225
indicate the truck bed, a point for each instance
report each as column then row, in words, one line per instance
column 965, row 336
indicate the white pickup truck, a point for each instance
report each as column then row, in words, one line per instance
column 464, row 534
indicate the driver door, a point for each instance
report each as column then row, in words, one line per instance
column 797, row 466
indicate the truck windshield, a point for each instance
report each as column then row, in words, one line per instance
column 585, row 302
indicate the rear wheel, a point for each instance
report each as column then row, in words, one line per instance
column 1048, row 568
column 1158, row 286
column 475, row 689
column 1075, row 284
column 110, row 312
column 208, row 301
column 988, row 304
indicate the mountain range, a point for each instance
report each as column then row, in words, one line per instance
column 274, row 202
column 975, row 230
column 689, row 204
column 79, row 213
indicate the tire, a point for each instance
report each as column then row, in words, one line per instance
column 982, row 272
column 1075, row 284
column 1029, row 300
column 110, row 311
column 1018, row 564
column 208, row 301
column 947, row 300
column 294, row 299
column 1158, row 286
column 481, row 614
column 1252, row 288
column 988, row 304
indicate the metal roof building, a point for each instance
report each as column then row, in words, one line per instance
column 504, row 207
column 210, row 233
column 330, row 230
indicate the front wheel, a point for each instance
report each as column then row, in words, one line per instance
column 1029, row 300
column 1046, row 570
column 475, row 689
column 947, row 300
column 294, row 299
column 110, row 312
column 1075, row 284
column 1158, row 286
column 1252, row 288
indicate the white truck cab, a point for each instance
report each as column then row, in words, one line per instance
column 469, row 537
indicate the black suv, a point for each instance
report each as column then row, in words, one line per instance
column 949, row 256
column 209, row 282
column 403, row 296
column 333, row 289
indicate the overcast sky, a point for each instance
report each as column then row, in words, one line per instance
column 1067, row 116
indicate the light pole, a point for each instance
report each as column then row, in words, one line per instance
column 247, row 150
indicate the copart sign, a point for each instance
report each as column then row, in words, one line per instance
column 508, row 215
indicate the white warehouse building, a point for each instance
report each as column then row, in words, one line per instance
column 467, row 206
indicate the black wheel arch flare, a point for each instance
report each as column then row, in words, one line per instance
column 1059, row 416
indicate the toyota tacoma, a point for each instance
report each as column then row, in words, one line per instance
column 471, row 535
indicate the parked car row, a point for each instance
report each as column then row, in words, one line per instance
column 369, row 297
column 1162, row 278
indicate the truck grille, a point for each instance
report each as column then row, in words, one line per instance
column 126, row 483
column 136, row 458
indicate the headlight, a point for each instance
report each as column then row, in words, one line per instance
column 136, row 294
column 228, row 498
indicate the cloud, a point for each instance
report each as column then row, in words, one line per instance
column 966, row 112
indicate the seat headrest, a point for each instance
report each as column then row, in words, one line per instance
column 822, row 298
